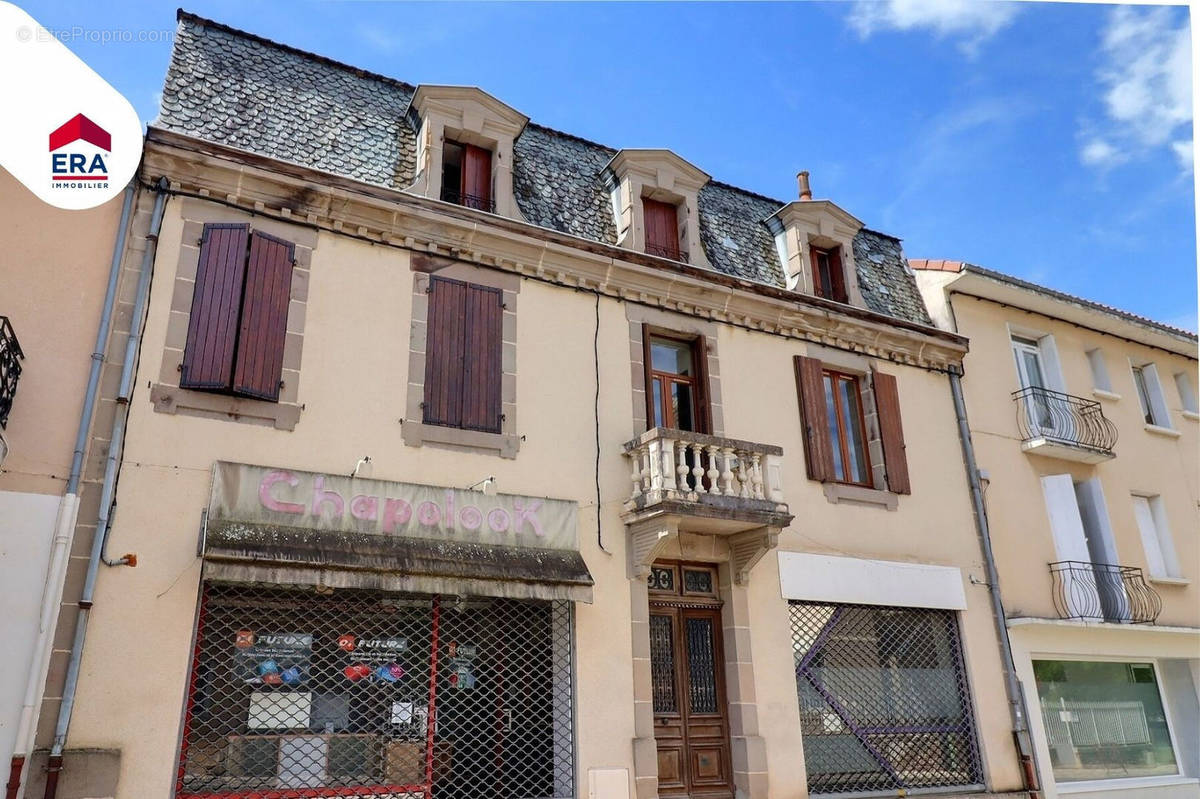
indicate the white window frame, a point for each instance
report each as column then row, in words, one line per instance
column 1101, row 381
column 1051, row 364
column 1112, row 783
column 1157, row 410
column 1187, row 394
column 1162, row 558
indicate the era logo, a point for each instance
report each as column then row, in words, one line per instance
column 78, row 151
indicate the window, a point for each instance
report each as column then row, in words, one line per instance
column 884, row 703
column 662, row 229
column 298, row 694
column 1100, row 379
column 1156, row 536
column 675, row 382
column 1187, row 392
column 1103, row 720
column 1150, row 395
column 238, row 322
column 834, row 405
column 467, row 176
column 829, row 279
column 463, row 367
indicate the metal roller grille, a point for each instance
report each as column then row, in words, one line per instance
column 298, row 694
column 884, row 704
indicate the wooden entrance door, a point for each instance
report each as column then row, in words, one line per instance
column 691, row 725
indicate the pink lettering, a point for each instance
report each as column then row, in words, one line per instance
column 322, row 496
column 498, row 520
column 365, row 508
column 396, row 513
column 470, row 518
column 428, row 513
column 448, row 514
column 528, row 515
column 268, row 501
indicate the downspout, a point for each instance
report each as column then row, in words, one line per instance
column 1016, row 702
column 64, row 525
column 107, row 491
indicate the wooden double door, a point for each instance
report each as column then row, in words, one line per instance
column 691, row 725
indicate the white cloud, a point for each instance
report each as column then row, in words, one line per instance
column 1146, row 79
column 970, row 21
column 1183, row 149
column 1098, row 152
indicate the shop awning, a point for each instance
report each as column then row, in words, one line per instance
column 249, row 552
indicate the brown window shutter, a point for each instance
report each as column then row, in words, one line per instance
column 216, row 303
column 477, row 177
column 887, row 406
column 444, row 351
column 662, row 226
column 481, row 403
column 646, row 334
column 837, row 275
column 703, row 398
column 263, row 331
column 818, row 448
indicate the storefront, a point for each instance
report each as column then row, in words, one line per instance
column 363, row 638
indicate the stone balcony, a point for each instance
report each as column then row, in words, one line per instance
column 708, row 485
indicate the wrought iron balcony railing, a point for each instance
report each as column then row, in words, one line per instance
column 1103, row 592
column 10, row 368
column 670, row 253
column 1052, row 417
column 469, row 200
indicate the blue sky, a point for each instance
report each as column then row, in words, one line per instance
column 1048, row 141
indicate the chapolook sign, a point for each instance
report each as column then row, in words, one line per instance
column 260, row 494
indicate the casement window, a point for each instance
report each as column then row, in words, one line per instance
column 1150, row 395
column 829, row 278
column 238, row 322
column 463, row 367
column 1151, row 518
column 662, row 229
column 1187, row 392
column 836, row 442
column 676, row 382
column 467, row 176
column 1103, row 720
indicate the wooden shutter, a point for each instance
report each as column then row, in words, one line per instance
column 481, row 405
column 263, row 331
column 444, row 351
column 463, row 355
column 703, row 400
column 887, row 406
column 216, row 302
column 837, row 275
column 477, row 177
column 818, row 448
column 662, row 226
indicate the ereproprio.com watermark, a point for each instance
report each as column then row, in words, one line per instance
column 78, row 33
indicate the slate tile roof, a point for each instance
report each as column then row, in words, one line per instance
column 244, row 91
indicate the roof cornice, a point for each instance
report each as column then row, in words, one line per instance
column 381, row 215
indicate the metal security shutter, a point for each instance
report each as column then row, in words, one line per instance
column 887, row 405
column 814, row 416
column 884, row 702
column 463, row 366
column 216, row 303
column 264, row 318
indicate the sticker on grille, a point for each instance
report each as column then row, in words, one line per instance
column 302, row 694
column 884, row 704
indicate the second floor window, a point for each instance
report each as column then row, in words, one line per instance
column 1150, row 395
column 674, row 384
column 662, row 229
column 829, row 279
column 238, row 322
column 467, row 176
column 844, row 414
column 463, row 366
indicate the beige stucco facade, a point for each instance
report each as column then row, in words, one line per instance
column 1156, row 462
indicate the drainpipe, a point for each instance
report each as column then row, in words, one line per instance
column 1016, row 703
column 64, row 525
column 107, row 491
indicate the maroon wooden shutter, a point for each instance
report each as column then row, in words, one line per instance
column 662, row 227
column 837, row 275
column 444, row 351
column 887, row 406
column 477, row 177
column 703, row 401
column 216, row 303
column 481, row 406
column 263, row 330
column 818, row 448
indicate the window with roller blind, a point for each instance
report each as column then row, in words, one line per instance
column 463, row 368
column 238, row 321
column 467, row 176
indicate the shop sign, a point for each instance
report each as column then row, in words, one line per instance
column 271, row 658
column 263, row 495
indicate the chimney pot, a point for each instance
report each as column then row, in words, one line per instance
column 802, row 184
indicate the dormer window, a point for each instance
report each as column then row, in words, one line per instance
column 829, row 278
column 467, row 176
column 662, row 229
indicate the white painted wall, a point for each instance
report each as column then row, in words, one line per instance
column 859, row 581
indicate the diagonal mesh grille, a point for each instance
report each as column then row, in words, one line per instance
column 301, row 694
column 884, row 704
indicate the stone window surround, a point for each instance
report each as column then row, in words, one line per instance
column 878, row 494
column 804, row 224
column 415, row 432
column 657, row 175
column 676, row 325
column 166, row 395
column 470, row 116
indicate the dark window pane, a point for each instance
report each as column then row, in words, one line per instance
column 702, row 673
column 662, row 664
column 682, row 407
column 855, row 445
column 661, row 579
column 659, row 419
column 835, row 434
column 697, row 582
column 671, row 356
